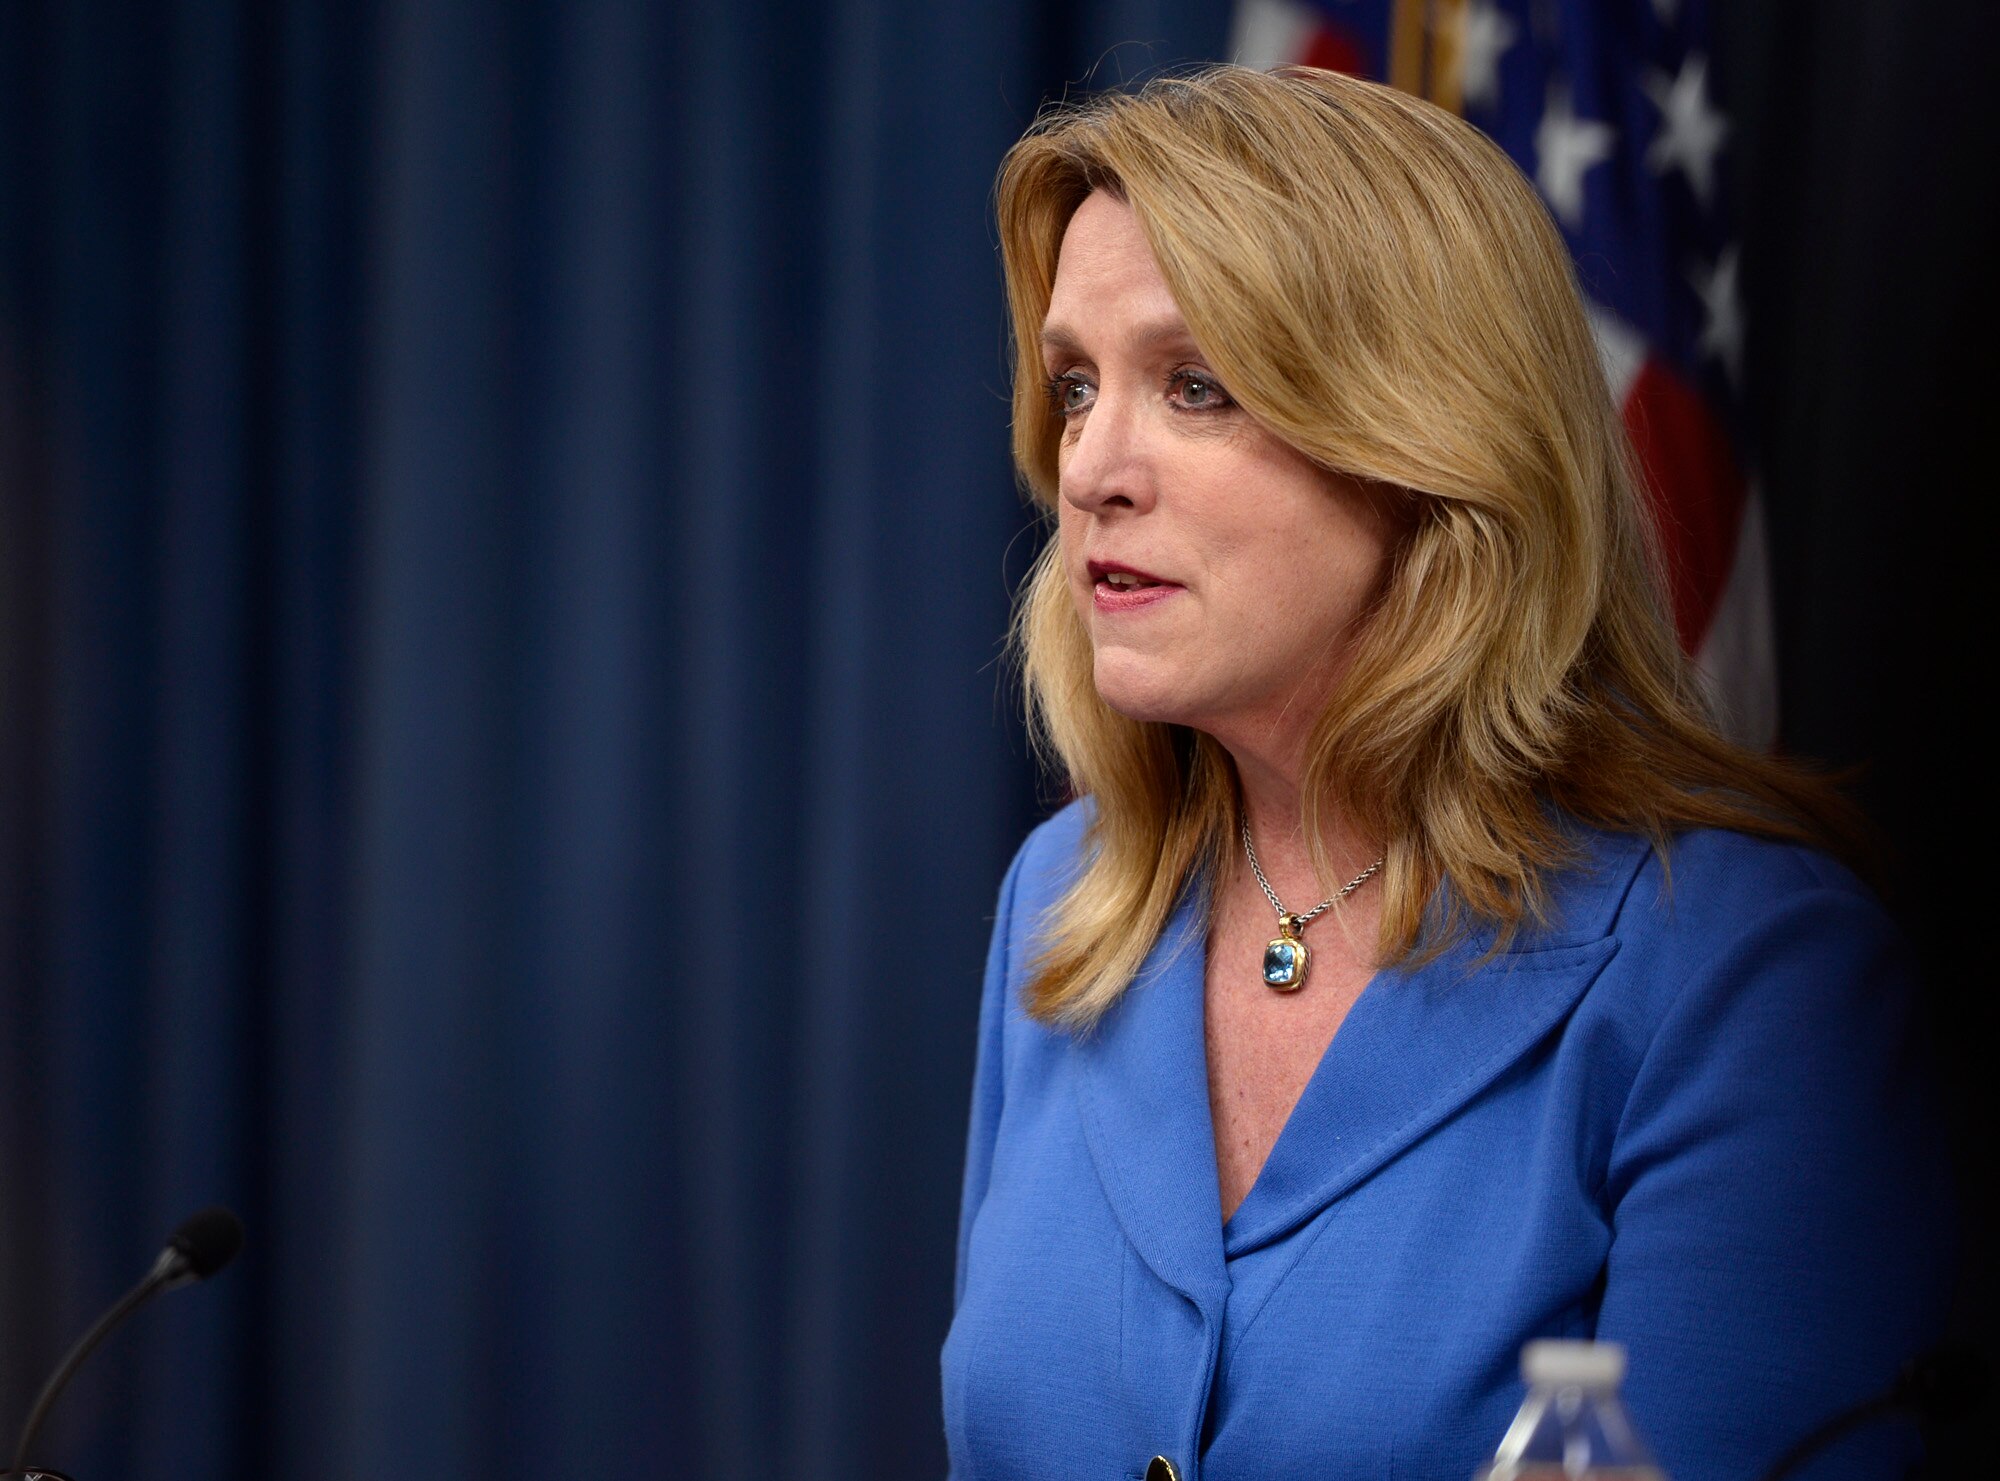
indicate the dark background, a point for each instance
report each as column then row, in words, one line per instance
column 505, row 536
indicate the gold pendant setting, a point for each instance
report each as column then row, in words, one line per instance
column 1285, row 957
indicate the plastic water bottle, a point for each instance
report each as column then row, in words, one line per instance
column 1573, row 1424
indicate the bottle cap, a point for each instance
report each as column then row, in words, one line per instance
column 1549, row 1364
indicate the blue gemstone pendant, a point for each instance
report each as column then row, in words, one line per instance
column 1285, row 957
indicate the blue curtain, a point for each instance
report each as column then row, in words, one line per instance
column 505, row 542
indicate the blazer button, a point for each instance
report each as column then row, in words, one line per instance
column 1162, row 1469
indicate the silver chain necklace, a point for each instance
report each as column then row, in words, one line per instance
column 1285, row 954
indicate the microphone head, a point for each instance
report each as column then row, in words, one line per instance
column 207, row 1242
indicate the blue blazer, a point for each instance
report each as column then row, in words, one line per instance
column 1686, row 1115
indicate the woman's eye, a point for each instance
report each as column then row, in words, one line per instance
column 1069, row 394
column 1195, row 391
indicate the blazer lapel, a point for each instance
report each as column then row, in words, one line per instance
column 1416, row 1046
column 1143, row 1093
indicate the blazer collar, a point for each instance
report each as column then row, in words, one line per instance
column 1417, row 1045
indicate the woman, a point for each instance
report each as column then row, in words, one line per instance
column 1417, row 972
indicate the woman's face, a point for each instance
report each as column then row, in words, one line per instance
column 1220, row 574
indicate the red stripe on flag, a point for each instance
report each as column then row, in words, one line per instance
column 1696, row 490
column 1335, row 50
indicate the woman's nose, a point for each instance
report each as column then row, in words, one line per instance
column 1109, row 459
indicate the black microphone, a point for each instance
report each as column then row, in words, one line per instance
column 1938, row 1387
column 199, row 1248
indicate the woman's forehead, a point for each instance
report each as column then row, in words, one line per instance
column 1107, row 281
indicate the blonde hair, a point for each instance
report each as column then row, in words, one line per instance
column 1376, row 283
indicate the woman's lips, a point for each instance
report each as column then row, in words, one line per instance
column 1139, row 590
column 1110, row 599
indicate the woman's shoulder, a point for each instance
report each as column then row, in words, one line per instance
column 1721, row 915
column 1712, row 885
column 1048, row 860
column 1043, row 868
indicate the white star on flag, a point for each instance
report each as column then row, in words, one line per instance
column 1565, row 147
column 1691, row 130
column 1722, row 334
column 1270, row 33
column 1484, row 35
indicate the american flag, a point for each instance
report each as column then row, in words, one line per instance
column 1609, row 107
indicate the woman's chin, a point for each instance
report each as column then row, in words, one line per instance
column 1138, row 692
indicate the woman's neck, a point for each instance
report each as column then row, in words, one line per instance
column 1273, row 794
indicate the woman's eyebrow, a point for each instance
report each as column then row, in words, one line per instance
column 1060, row 339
